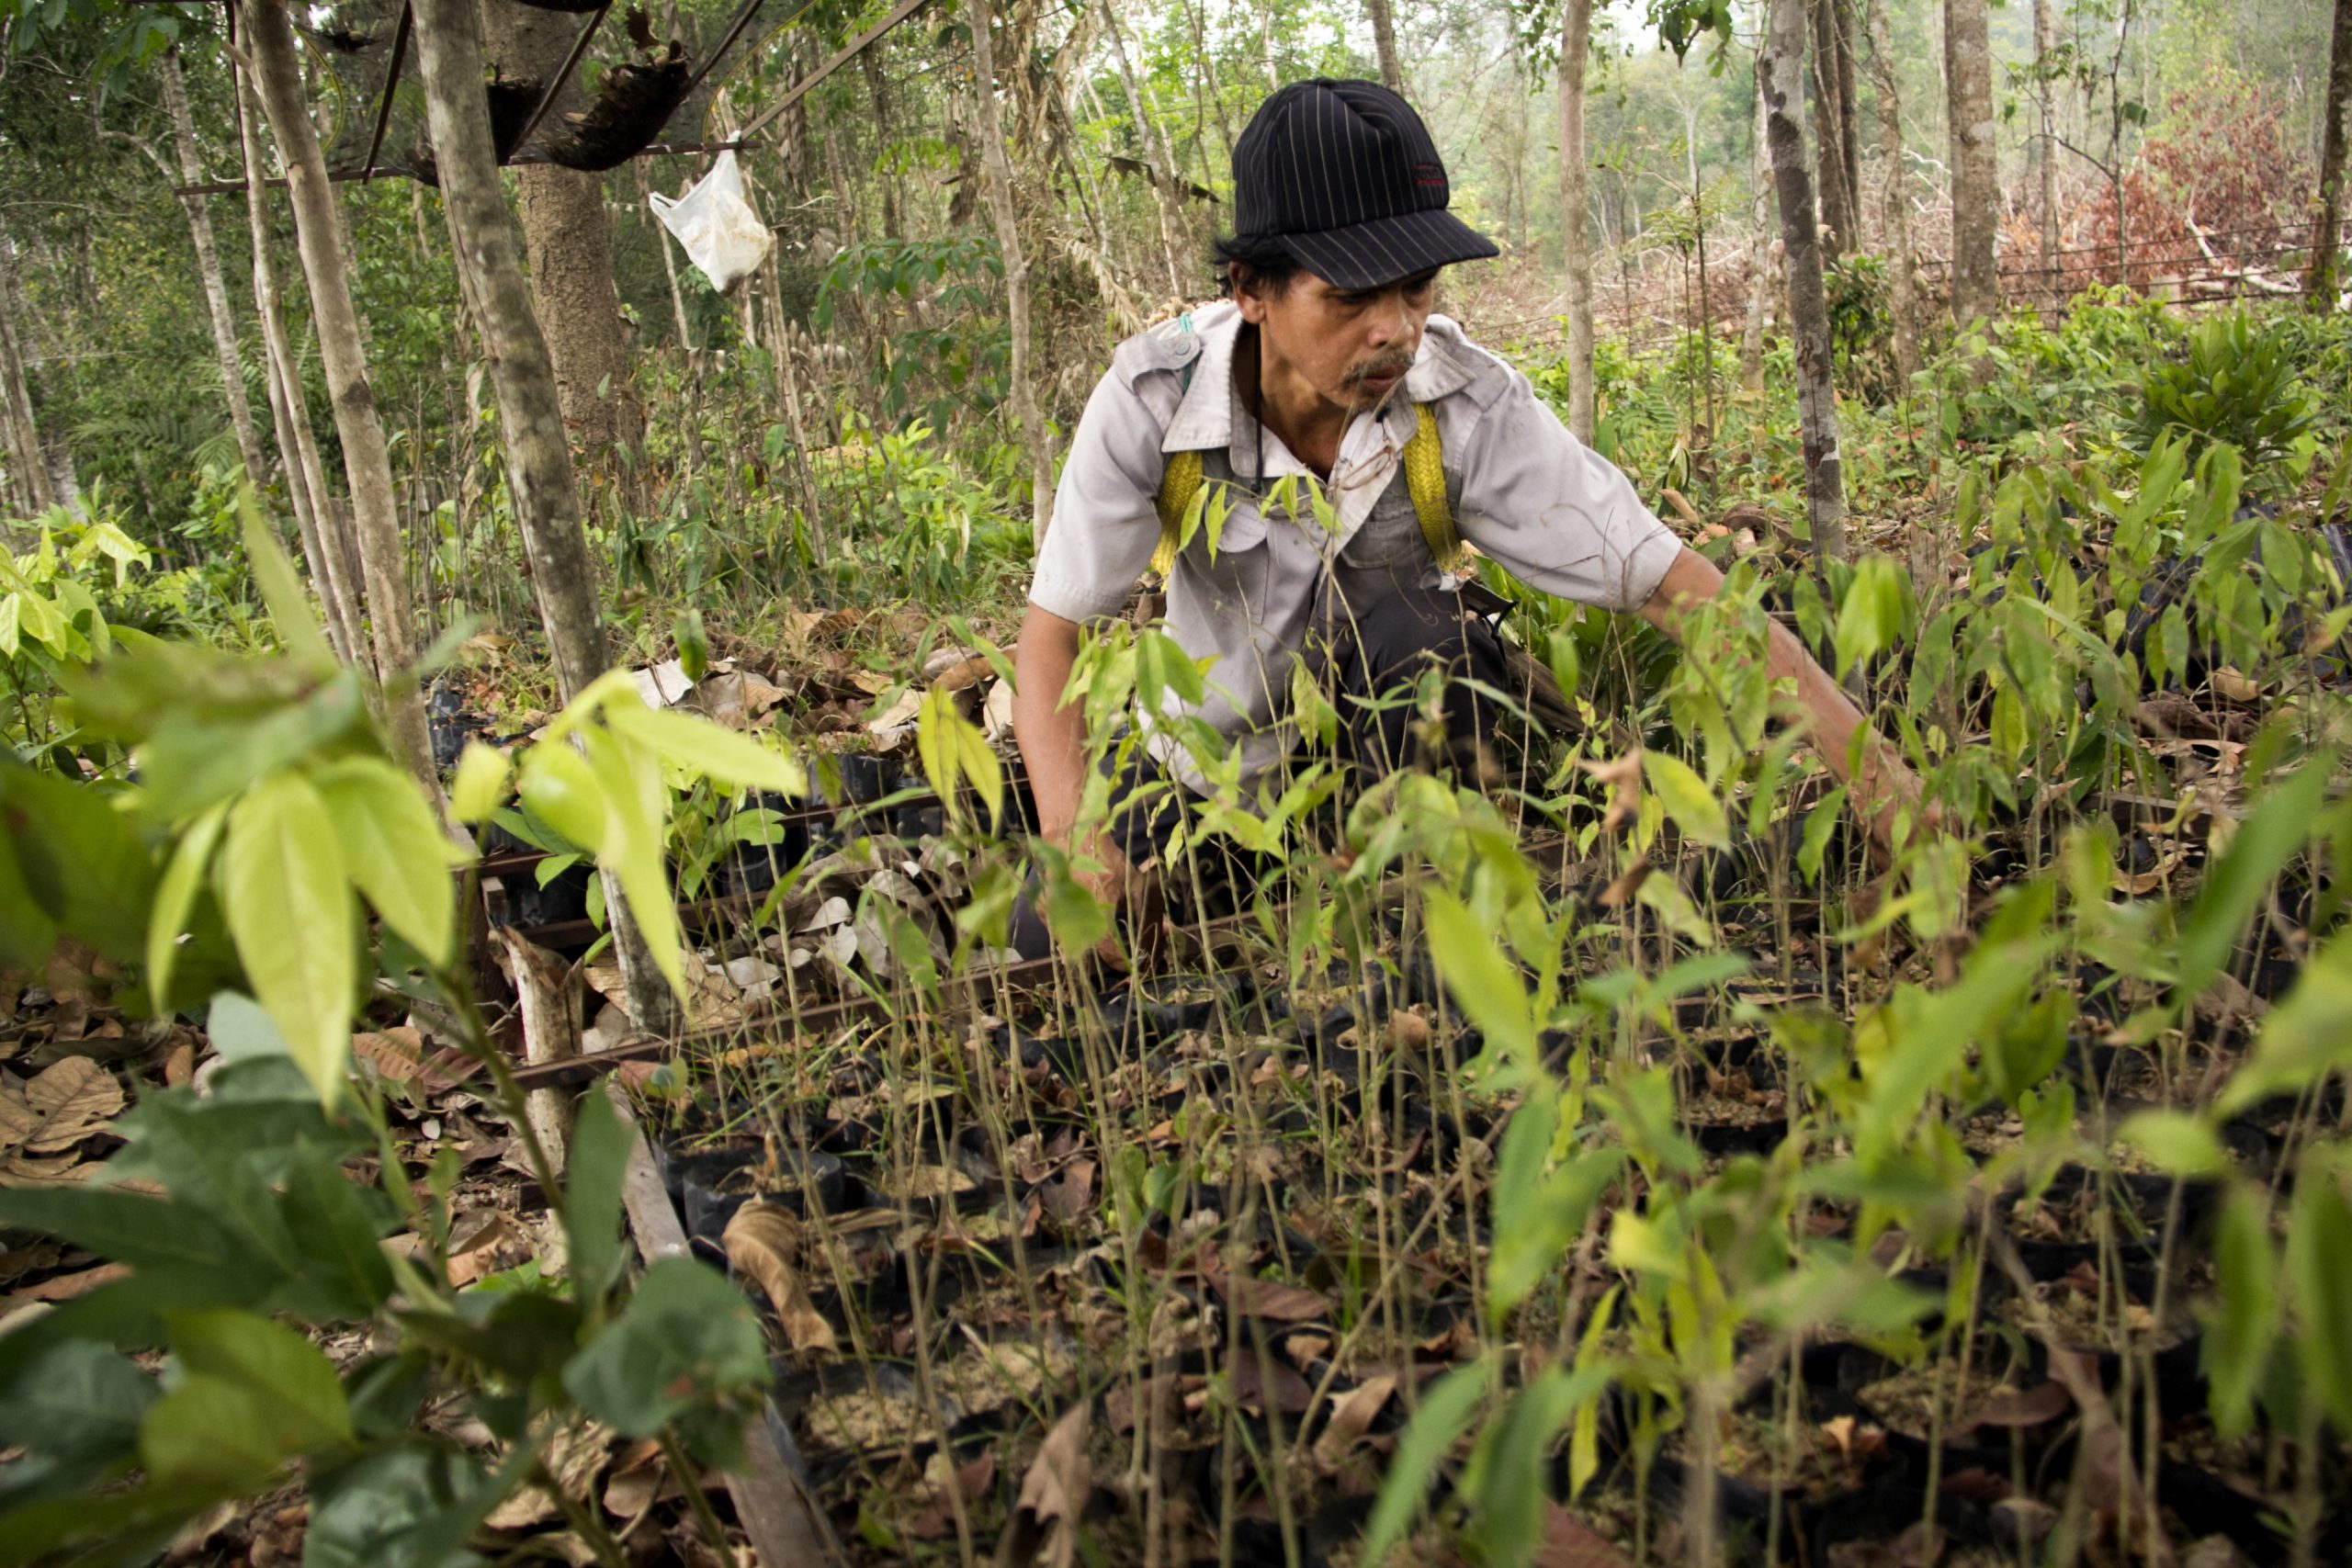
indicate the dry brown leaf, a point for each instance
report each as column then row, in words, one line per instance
column 1273, row 1301
column 762, row 1240
column 1353, row 1415
column 2019, row 1409
column 1254, row 1383
column 1569, row 1542
column 67, row 1102
column 1043, row 1527
column 1623, row 777
column 1620, row 893
column 66, row 1287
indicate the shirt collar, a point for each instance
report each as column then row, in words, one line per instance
column 1207, row 416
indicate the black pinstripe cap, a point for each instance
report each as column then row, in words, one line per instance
column 1344, row 176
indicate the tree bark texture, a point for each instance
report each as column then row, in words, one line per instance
column 1902, row 270
column 1576, row 177
column 319, row 233
column 208, row 268
column 568, row 244
column 1760, row 262
column 568, row 240
column 326, row 550
column 1838, row 215
column 29, row 484
column 1975, row 189
column 2328, row 225
column 2045, row 46
column 1384, row 43
column 1016, row 270
column 539, row 459
column 1781, row 73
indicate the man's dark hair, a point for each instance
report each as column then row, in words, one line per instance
column 1264, row 262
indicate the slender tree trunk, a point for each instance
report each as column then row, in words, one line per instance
column 1759, row 265
column 1780, row 71
column 1903, row 283
column 539, row 457
column 2045, row 46
column 27, row 462
column 869, row 61
column 1837, row 213
column 998, row 163
column 1976, row 190
column 332, row 570
column 208, row 268
column 568, row 245
column 1171, row 216
column 1384, row 43
column 1850, row 108
column 318, row 231
column 1576, row 242
column 2328, row 225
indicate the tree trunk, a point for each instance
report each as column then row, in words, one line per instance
column 1780, row 73
column 1576, row 174
column 999, row 164
column 2327, row 226
column 318, row 232
column 1905, row 270
column 28, row 465
column 568, row 245
column 208, row 268
column 869, row 61
column 539, row 459
column 1836, row 212
column 1171, row 216
column 1759, row 265
column 1384, row 43
column 2045, row 47
column 1850, row 108
column 1976, row 191
column 324, row 548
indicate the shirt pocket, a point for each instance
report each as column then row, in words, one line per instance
column 1391, row 537
column 1235, row 583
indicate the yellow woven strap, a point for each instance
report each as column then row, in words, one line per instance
column 1178, row 485
column 1424, row 479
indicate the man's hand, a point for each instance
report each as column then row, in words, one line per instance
column 1132, row 896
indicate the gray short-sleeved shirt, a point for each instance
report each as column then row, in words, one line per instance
column 1525, row 492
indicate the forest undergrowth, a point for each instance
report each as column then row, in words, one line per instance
column 1604, row 1161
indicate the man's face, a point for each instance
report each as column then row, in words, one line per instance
column 1351, row 346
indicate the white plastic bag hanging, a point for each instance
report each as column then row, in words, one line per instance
column 722, row 233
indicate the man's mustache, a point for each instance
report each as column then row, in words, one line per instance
column 1383, row 368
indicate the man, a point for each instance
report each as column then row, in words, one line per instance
column 1326, row 365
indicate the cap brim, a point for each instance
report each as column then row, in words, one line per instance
column 1374, row 255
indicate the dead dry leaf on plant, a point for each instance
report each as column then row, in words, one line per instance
column 1623, row 777
column 62, row 1105
column 762, row 1240
column 1043, row 1527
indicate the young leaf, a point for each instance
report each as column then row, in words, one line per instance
column 176, row 895
column 1688, row 799
column 1485, row 984
column 2236, row 1345
column 251, row 1395
column 480, row 784
column 1443, row 1417
column 2319, row 1282
column 2264, row 841
column 2180, row 1142
column 711, row 751
column 597, row 1161
column 394, row 850
column 636, row 803
column 559, row 787
column 289, row 607
column 286, row 893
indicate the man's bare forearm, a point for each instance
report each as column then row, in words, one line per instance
column 1052, row 738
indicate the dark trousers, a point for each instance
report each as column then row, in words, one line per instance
column 1375, row 670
